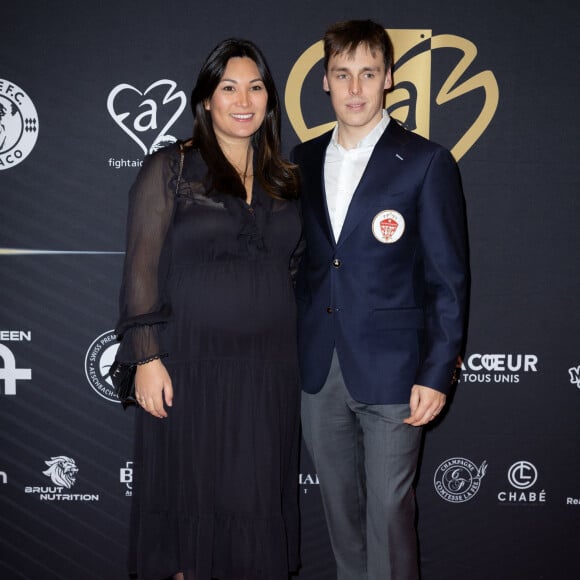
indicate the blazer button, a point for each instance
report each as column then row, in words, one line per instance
column 336, row 263
column 329, row 310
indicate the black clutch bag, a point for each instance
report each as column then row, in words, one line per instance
column 123, row 378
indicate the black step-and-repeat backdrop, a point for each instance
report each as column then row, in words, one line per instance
column 88, row 88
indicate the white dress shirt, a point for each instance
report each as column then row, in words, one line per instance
column 343, row 169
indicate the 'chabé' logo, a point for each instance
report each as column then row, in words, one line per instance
column 18, row 125
column 410, row 99
column 147, row 115
column 522, row 475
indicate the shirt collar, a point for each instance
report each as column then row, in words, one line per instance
column 370, row 140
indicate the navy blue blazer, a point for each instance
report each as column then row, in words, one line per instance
column 390, row 294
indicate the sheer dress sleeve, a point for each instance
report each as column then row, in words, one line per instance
column 143, row 307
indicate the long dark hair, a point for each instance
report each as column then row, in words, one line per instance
column 278, row 177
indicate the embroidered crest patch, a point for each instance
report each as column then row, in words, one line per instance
column 388, row 226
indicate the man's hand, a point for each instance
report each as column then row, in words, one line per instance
column 426, row 404
column 152, row 385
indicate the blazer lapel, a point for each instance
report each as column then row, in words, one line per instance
column 384, row 161
column 316, row 188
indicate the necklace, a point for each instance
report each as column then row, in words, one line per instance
column 244, row 174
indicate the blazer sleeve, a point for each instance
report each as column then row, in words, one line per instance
column 443, row 237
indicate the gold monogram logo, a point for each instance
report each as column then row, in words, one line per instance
column 410, row 99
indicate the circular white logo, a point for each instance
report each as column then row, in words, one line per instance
column 18, row 125
column 522, row 474
column 388, row 226
column 98, row 361
column 457, row 479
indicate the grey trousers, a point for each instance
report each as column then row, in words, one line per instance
column 366, row 459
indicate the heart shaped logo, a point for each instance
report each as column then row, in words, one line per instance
column 489, row 361
column 141, row 113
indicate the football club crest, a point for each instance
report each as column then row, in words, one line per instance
column 18, row 125
column 388, row 226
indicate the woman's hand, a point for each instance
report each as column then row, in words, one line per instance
column 152, row 387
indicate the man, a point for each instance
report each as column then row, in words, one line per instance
column 381, row 298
